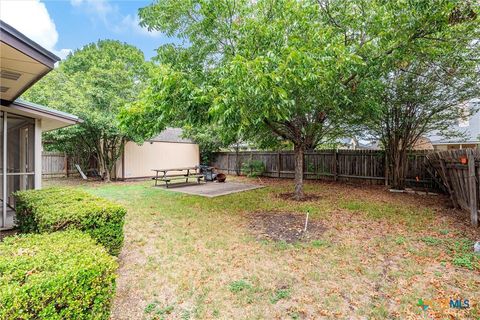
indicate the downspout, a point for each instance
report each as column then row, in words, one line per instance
column 4, row 173
column 37, row 154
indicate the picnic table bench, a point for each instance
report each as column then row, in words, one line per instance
column 179, row 174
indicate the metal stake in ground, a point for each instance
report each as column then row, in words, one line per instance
column 306, row 222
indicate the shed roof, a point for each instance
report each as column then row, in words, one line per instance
column 171, row 135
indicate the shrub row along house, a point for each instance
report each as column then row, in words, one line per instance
column 22, row 63
column 64, row 267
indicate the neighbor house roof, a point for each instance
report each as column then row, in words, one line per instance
column 171, row 135
column 470, row 128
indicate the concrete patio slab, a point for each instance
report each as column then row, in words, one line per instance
column 10, row 222
column 212, row 189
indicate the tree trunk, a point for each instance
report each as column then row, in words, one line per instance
column 111, row 157
column 107, row 177
column 104, row 172
column 102, row 162
column 398, row 160
column 237, row 160
column 299, row 155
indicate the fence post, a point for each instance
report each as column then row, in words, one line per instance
column 237, row 167
column 387, row 170
column 66, row 165
column 447, row 183
column 228, row 162
column 278, row 164
column 472, row 189
column 251, row 159
column 335, row 165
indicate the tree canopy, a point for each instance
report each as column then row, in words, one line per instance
column 299, row 71
column 428, row 90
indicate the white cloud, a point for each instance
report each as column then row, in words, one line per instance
column 63, row 53
column 111, row 17
column 33, row 20
column 101, row 8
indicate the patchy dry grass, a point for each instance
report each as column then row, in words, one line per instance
column 188, row 257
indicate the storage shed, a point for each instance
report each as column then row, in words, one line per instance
column 165, row 151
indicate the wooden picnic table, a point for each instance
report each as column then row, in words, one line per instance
column 180, row 174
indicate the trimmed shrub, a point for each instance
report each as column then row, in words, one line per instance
column 253, row 168
column 60, row 275
column 54, row 209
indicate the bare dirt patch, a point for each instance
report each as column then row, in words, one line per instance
column 291, row 197
column 7, row 233
column 284, row 226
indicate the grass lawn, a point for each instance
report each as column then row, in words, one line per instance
column 374, row 256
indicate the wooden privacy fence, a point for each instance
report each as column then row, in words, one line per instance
column 365, row 165
column 460, row 172
column 57, row 164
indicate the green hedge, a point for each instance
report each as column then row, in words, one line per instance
column 54, row 209
column 60, row 275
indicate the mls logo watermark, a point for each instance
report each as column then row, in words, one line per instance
column 459, row 304
column 423, row 304
column 443, row 304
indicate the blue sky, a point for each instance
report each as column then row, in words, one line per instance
column 65, row 25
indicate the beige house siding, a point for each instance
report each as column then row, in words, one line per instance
column 455, row 146
column 423, row 144
column 139, row 160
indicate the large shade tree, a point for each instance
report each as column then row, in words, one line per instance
column 94, row 83
column 264, row 71
column 429, row 89
column 419, row 100
column 299, row 71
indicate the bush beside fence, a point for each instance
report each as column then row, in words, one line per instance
column 54, row 209
column 61, row 275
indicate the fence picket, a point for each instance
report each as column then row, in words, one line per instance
column 56, row 164
column 457, row 170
